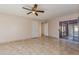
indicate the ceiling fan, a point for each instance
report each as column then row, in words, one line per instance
column 33, row 10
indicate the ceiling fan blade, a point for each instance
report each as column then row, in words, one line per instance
column 26, row 8
column 35, row 7
column 40, row 11
column 29, row 12
column 36, row 14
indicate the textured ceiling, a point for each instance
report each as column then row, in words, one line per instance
column 51, row 10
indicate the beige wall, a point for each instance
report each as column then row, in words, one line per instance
column 15, row 28
column 53, row 24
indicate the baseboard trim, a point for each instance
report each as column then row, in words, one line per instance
column 19, row 40
column 34, row 37
column 53, row 37
column 28, row 39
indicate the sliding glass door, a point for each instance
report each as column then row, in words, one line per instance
column 69, row 30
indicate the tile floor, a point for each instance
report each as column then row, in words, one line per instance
column 39, row 46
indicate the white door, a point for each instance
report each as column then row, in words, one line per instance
column 36, row 29
column 45, row 29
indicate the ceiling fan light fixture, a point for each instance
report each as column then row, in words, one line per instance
column 33, row 12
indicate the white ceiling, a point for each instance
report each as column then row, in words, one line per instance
column 51, row 10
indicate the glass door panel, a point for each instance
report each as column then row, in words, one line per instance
column 70, row 31
column 63, row 32
column 76, row 32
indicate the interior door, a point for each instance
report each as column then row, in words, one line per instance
column 45, row 29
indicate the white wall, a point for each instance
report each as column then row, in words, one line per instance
column 15, row 28
column 53, row 24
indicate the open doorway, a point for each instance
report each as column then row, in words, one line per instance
column 44, row 29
